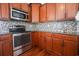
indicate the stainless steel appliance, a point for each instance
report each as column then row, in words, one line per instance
column 19, row 15
column 21, row 39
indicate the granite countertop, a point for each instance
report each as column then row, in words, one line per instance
column 4, row 33
column 45, row 31
column 74, row 33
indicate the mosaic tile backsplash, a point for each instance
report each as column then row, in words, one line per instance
column 67, row 27
column 4, row 26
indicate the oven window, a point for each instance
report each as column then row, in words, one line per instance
column 21, row 40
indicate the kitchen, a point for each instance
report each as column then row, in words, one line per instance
column 35, row 29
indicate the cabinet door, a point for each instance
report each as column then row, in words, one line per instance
column 42, row 40
column 25, row 7
column 0, row 10
column 49, row 43
column 5, row 11
column 35, row 40
column 7, row 48
column 60, row 11
column 51, row 11
column 35, row 13
column 70, row 48
column 15, row 5
column 30, row 15
column 0, row 48
column 43, row 12
column 58, row 46
column 71, row 10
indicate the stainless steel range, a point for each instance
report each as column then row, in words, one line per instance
column 21, row 39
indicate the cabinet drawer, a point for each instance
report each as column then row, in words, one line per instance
column 70, row 38
column 6, row 37
column 49, row 34
column 60, row 36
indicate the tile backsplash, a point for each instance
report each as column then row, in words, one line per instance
column 4, row 26
column 69, row 27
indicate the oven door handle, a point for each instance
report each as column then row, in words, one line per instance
column 17, row 34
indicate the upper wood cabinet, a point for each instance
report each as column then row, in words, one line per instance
column 35, row 12
column 25, row 7
column 43, row 13
column 51, row 11
column 4, row 11
column 20, row 6
column 15, row 5
column 60, row 11
column 0, row 11
column 71, row 10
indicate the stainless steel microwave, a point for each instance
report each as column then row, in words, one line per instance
column 19, row 15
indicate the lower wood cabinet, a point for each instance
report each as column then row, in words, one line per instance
column 6, row 48
column 35, row 38
column 1, row 48
column 49, row 42
column 57, row 44
column 42, row 40
column 70, row 48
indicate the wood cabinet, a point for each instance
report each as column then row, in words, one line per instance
column 15, row 5
column 25, row 7
column 70, row 48
column 35, row 38
column 20, row 6
column 0, row 11
column 4, row 11
column 35, row 12
column 49, row 41
column 42, row 40
column 6, row 45
column 7, row 48
column 43, row 13
column 60, row 11
column 57, row 46
column 71, row 10
column 51, row 11
column 1, row 47
column 62, row 45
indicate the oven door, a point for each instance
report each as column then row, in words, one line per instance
column 20, row 40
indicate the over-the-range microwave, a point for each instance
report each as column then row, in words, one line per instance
column 19, row 15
